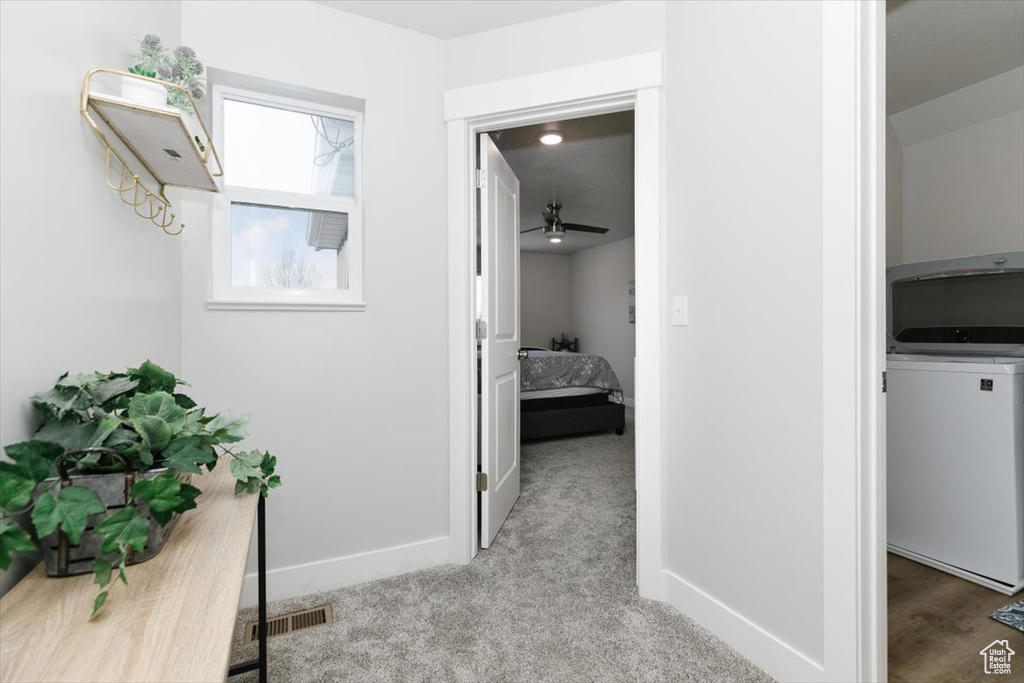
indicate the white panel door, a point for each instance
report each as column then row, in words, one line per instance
column 499, row 424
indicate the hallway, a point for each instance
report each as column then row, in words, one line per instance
column 554, row 599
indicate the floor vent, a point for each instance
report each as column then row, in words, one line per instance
column 289, row 623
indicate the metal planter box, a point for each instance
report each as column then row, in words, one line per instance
column 65, row 559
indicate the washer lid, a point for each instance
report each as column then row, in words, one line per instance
column 972, row 306
column 985, row 365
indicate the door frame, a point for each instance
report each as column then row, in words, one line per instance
column 615, row 85
column 855, row 644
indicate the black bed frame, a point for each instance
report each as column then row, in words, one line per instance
column 543, row 418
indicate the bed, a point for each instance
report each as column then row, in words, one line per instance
column 563, row 394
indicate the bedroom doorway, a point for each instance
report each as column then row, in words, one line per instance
column 571, row 246
column 630, row 84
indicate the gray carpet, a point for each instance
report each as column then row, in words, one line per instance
column 554, row 598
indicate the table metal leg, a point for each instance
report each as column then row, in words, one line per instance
column 260, row 662
column 261, row 554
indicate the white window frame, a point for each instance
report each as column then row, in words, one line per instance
column 222, row 294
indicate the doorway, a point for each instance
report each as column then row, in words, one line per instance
column 954, row 338
column 608, row 87
column 557, row 212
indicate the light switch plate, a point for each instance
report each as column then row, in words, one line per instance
column 680, row 310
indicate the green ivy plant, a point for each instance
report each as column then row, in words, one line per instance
column 140, row 415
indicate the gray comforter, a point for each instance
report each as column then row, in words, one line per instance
column 559, row 369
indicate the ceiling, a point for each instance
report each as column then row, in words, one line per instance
column 934, row 48
column 454, row 18
column 590, row 174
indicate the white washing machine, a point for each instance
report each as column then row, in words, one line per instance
column 955, row 423
column 956, row 465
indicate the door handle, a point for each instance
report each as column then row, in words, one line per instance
column 522, row 354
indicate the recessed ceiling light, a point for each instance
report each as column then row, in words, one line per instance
column 551, row 138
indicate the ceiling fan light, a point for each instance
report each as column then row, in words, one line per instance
column 551, row 138
column 554, row 233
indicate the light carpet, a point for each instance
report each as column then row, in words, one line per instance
column 553, row 599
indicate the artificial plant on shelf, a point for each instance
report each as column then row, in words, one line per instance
column 149, row 57
column 179, row 66
column 140, row 417
column 183, row 68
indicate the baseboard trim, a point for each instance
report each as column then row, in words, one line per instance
column 781, row 661
column 337, row 572
column 985, row 581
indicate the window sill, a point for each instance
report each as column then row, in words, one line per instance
column 227, row 305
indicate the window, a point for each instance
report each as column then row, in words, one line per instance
column 287, row 231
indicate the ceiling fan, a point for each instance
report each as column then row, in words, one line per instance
column 554, row 229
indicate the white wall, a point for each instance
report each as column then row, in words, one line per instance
column 606, row 32
column 544, row 298
column 84, row 284
column 962, row 191
column 744, row 380
column 963, row 169
column 353, row 404
column 600, row 300
column 893, row 196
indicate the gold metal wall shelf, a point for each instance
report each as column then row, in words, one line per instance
column 172, row 147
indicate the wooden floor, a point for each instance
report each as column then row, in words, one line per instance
column 938, row 623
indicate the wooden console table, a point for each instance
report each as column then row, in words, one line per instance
column 174, row 621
